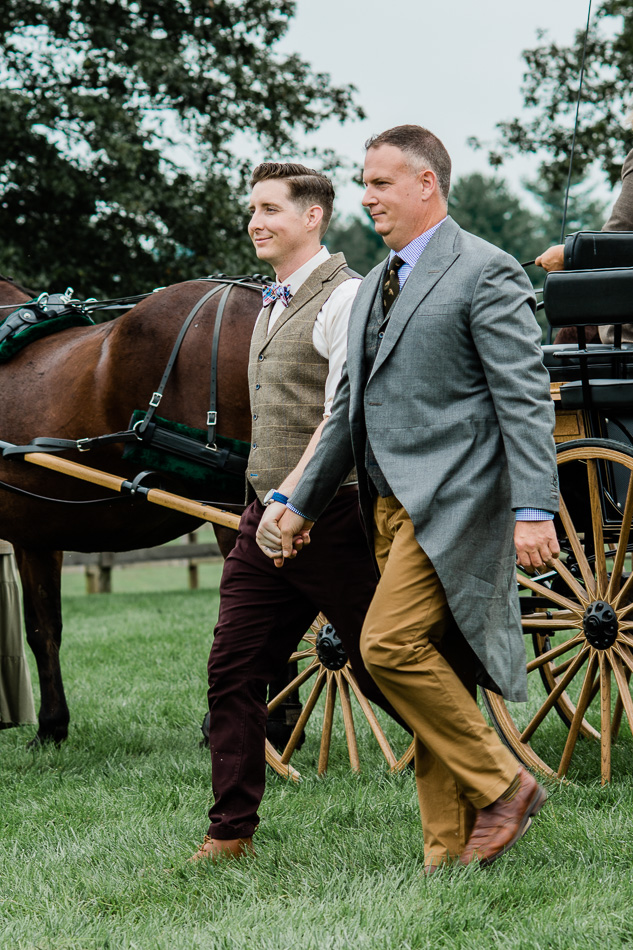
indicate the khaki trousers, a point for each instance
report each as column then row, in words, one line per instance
column 426, row 669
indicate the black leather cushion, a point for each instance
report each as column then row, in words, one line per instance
column 605, row 394
column 589, row 297
column 590, row 249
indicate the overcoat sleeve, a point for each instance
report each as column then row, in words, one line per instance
column 507, row 340
column 332, row 460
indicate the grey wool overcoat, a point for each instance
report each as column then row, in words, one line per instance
column 458, row 412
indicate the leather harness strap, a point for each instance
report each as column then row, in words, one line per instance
column 224, row 456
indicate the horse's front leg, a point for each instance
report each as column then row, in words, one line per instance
column 40, row 572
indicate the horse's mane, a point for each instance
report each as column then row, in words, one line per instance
column 20, row 287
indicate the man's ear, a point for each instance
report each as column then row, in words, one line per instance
column 428, row 183
column 314, row 217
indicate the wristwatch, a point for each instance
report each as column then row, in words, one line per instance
column 274, row 495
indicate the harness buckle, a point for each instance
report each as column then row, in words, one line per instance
column 155, row 400
column 82, row 445
column 212, row 417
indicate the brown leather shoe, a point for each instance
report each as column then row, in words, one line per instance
column 217, row 849
column 500, row 825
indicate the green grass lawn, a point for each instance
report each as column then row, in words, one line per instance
column 95, row 835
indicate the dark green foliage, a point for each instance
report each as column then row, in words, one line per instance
column 485, row 206
column 118, row 167
column 550, row 89
column 356, row 237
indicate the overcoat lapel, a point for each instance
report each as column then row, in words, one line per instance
column 361, row 309
column 435, row 260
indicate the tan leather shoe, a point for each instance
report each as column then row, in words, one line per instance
column 218, row 849
column 500, row 825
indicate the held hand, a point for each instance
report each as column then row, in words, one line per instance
column 295, row 533
column 552, row 259
column 536, row 544
column 268, row 535
column 275, row 520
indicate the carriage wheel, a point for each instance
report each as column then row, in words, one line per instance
column 582, row 619
column 329, row 670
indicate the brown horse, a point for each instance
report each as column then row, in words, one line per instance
column 86, row 382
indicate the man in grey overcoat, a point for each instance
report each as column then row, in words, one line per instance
column 445, row 410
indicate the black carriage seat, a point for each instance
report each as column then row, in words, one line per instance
column 594, row 376
column 608, row 388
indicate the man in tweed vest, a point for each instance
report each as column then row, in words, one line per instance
column 298, row 349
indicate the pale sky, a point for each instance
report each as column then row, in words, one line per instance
column 453, row 66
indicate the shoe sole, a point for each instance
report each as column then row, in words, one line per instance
column 540, row 797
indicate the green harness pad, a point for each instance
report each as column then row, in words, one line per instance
column 13, row 344
column 146, row 456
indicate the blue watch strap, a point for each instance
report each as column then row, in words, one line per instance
column 277, row 496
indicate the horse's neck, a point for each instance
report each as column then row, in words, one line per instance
column 11, row 293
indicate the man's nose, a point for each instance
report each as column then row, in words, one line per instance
column 368, row 198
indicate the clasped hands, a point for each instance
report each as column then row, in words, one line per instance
column 282, row 534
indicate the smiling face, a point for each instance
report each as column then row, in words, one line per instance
column 402, row 202
column 285, row 235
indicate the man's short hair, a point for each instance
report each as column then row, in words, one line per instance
column 307, row 187
column 420, row 147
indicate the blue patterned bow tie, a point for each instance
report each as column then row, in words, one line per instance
column 276, row 292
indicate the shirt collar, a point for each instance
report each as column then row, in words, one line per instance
column 302, row 273
column 413, row 250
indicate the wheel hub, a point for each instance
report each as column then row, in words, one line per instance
column 600, row 624
column 329, row 648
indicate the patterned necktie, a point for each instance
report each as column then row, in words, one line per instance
column 276, row 292
column 391, row 285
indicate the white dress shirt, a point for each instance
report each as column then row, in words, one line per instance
column 329, row 335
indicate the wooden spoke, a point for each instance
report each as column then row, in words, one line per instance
column 625, row 531
column 619, row 709
column 304, row 675
column 623, row 688
column 579, row 554
column 537, row 719
column 581, row 708
column 306, row 712
column 604, row 680
column 374, row 725
column 539, row 622
column 348, row 720
column 328, row 718
column 596, row 518
column 533, row 585
column 560, row 669
column 287, row 770
column 550, row 655
column 571, row 581
column 625, row 656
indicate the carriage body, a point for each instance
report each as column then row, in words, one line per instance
column 578, row 616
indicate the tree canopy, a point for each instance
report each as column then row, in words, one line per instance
column 550, row 89
column 123, row 125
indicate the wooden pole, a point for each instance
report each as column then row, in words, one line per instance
column 115, row 483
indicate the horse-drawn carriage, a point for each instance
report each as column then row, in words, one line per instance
column 577, row 617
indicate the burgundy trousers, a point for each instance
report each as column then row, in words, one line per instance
column 264, row 613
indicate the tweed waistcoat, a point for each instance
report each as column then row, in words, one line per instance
column 286, row 377
column 374, row 333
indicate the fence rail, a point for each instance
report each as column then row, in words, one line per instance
column 99, row 565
